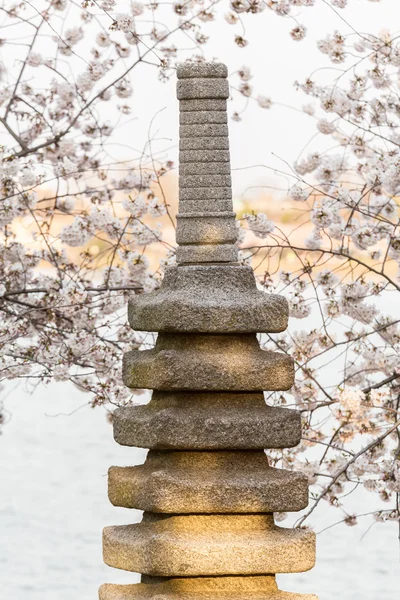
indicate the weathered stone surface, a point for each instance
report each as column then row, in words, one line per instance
column 206, row 228
column 207, row 482
column 199, row 168
column 212, row 298
column 210, row 205
column 203, row 155
column 201, row 69
column 206, row 180
column 203, row 130
column 199, row 88
column 205, row 193
column 206, row 253
column 204, row 143
column 208, row 545
column 197, row 104
column 207, row 421
column 202, row 588
column 207, row 362
column 205, row 116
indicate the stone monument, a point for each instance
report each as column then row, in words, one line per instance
column 206, row 488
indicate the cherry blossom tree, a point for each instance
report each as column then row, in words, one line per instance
column 79, row 229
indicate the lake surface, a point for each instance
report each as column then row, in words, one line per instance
column 53, row 505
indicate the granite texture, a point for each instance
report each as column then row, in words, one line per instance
column 207, row 362
column 203, row 130
column 207, row 482
column 209, row 298
column 205, row 180
column 201, row 168
column 204, row 143
column 261, row 587
column 203, row 116
column 203, row 228
column 205, row 193
column 201, row 69
column 196, row 545
column 204, row 155
column 221, row 253
column 203, row 104
column 202, row 88
column 212, row 205
column 207, row 421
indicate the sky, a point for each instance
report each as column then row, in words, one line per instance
column 265, row 137
column 272, row 138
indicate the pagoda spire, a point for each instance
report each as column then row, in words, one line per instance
column 206, row 229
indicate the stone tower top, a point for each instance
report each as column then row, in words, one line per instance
column 206, row 230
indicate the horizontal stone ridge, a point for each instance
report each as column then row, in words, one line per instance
column 202, row 588
column 205, row 180
column 206, row 253
column 208, row 545
column 203, row 156
column 201, row 69
column 202, row 88
column 202, row 104
column 208, row 362
column 207, row 421
column 201, row 168
column 203, row 116
column 207, row 482
column 203, row 130
column 205, row 193
column 210, row 205
column 203, row 228
column 209, row 298
column 204, row 143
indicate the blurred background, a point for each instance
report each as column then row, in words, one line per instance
column 55, row 450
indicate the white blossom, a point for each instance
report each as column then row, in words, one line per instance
column 326, row 127
column 260, row 225
column 298, row 33
column 123, row 89
column 298, row 194
column 264, row 101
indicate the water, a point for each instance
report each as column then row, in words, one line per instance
column 53, row 503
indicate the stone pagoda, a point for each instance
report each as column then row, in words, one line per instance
column 206, row 488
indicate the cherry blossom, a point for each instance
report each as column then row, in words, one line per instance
column 79, row 232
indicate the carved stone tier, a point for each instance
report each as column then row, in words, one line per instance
column 193, row 545
column 208, row 362
column 207, row 482
column 207, row 421
column 202, row 588
column 209, row 298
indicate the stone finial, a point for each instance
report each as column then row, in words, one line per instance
column 206, row 488
column 206, row 229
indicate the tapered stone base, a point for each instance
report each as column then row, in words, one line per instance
column 202, row 588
